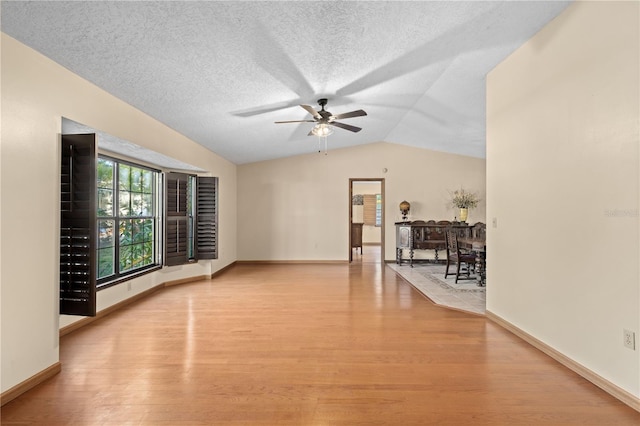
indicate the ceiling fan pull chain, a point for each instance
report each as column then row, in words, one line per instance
column 320, row 139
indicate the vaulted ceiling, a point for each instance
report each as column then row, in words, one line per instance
column 222, row 73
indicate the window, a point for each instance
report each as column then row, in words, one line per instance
column 372, row 211
column 110, row 224
column 127, row 218
column 369, row 209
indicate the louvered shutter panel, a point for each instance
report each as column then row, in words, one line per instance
column 207, row 218
column 175, row 248
column 78, row 225
column 369, row 210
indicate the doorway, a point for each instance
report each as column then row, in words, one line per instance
column 366, row 220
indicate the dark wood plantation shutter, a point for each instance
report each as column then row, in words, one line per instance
column 176, row 231
column 205, row 212
column 78, row 225
column 207, row 218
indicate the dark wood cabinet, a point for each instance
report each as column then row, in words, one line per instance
column 421, row 235
column 356, row 236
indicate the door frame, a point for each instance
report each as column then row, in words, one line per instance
column 382, row 224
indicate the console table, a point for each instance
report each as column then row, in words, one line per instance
column 426, row 235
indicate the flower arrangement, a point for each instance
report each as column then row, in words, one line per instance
column 463, row 199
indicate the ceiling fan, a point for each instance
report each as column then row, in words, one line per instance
column 325, row 118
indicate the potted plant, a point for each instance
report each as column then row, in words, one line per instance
column 464, row 200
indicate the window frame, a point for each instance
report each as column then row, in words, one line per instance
column 156, row 217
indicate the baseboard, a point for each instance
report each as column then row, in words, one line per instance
column 223, row 270
column 51, row 371
column 185, row 280
column 56, row 368
column 22, row 387
column 613, row 390
column 106, row 311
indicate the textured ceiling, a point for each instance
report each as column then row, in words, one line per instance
column 221, row 73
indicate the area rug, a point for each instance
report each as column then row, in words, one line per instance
column 435, row 274
column 429, row 280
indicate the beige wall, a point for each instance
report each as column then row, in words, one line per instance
column 36, row 94
column 562, row 181
column 298, row 208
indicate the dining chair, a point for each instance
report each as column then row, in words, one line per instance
column 465, row 261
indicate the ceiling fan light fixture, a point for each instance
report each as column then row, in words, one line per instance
column 322, row 130
column 326, row 121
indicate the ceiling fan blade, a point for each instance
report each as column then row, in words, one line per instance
column 311, row 111
column 295, row 121
column 358, row 113
column 345, row 126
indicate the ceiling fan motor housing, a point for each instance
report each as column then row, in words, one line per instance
column 326, row 115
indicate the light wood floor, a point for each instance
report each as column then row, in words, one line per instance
column 306, row 345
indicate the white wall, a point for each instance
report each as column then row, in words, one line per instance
column 36, row 94
column 297, row 208
column 563, row 183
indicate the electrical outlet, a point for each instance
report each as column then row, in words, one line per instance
column 129, row 286
column 629, row 339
